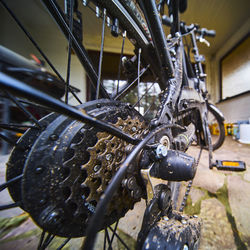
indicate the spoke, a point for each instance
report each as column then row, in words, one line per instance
column 8, row 206
column 146, row 92
column 18, row 87
column 119, row 238
column 46, row 242
column 19, row 105
column 120, row 63
column 138, row 79
column 7, row 139
column 36, row 46
column 41, row 240
column 105, row 238
column 8, row 183
column 108, row 239
column 14, row 128
column 81, row 53
column 63, row 244
column 28, row 103
column 128, row 86
column 114, row 232
column 101, row 56
column 69, row 51
column 34, row 105
column 149, row 108
column 73, row 93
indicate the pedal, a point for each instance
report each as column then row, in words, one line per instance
column 230, row 165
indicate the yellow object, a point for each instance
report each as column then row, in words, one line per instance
column 230, row 163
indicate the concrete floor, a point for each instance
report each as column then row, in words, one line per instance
column 221, row 199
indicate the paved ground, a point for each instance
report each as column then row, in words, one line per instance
column 220, row 198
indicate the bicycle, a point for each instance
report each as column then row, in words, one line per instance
column 102, row 155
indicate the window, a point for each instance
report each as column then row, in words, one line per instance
column 235, row 70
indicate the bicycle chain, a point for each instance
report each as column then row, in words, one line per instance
column 188, row 189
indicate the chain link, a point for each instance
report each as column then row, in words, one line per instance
column 188, row 189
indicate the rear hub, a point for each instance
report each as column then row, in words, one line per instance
column 68, row 166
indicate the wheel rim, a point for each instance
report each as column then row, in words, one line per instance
column 217, row 130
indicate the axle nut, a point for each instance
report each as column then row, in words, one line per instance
column 161, row 151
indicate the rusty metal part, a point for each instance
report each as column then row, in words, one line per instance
column 105, row 157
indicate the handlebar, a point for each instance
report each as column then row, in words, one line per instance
column 203, row 31
column 206, row 32
column 187, row 28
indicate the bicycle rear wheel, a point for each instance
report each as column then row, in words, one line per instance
column 76, row 160
column 217, row 128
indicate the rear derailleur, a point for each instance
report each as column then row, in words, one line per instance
column 162, row 226
column 165, row 228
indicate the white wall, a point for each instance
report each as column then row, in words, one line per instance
column 236, row 108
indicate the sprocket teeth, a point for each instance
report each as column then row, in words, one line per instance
column 110, row 151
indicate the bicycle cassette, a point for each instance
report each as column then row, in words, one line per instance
column 69, row 165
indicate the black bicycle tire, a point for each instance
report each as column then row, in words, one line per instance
column 220, row 122
column 119, row 10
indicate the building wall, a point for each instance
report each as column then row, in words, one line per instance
column 236, row 108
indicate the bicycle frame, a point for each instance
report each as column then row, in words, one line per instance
column 189, row 96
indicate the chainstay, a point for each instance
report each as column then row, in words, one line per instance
column 190, row 183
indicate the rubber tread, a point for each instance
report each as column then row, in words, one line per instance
column 221, row 139
column 115, row 12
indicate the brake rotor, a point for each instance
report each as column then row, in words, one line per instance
column 70, row 165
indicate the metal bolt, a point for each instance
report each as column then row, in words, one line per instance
column 42, row 201
column 83, row 185
column 124, row 182
column 39, row 170
column 161, row 151
column 185, row 105
column 136, row 193
column 129, row 106
column 97, row 168
column 52, row 219
column 109, row 157
column 108, row 22
column 133, row 129
column 97, row 12
column 184, row 222
column 53, row 137
column 85, row 2
column 131, row 182
column 166, row 218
